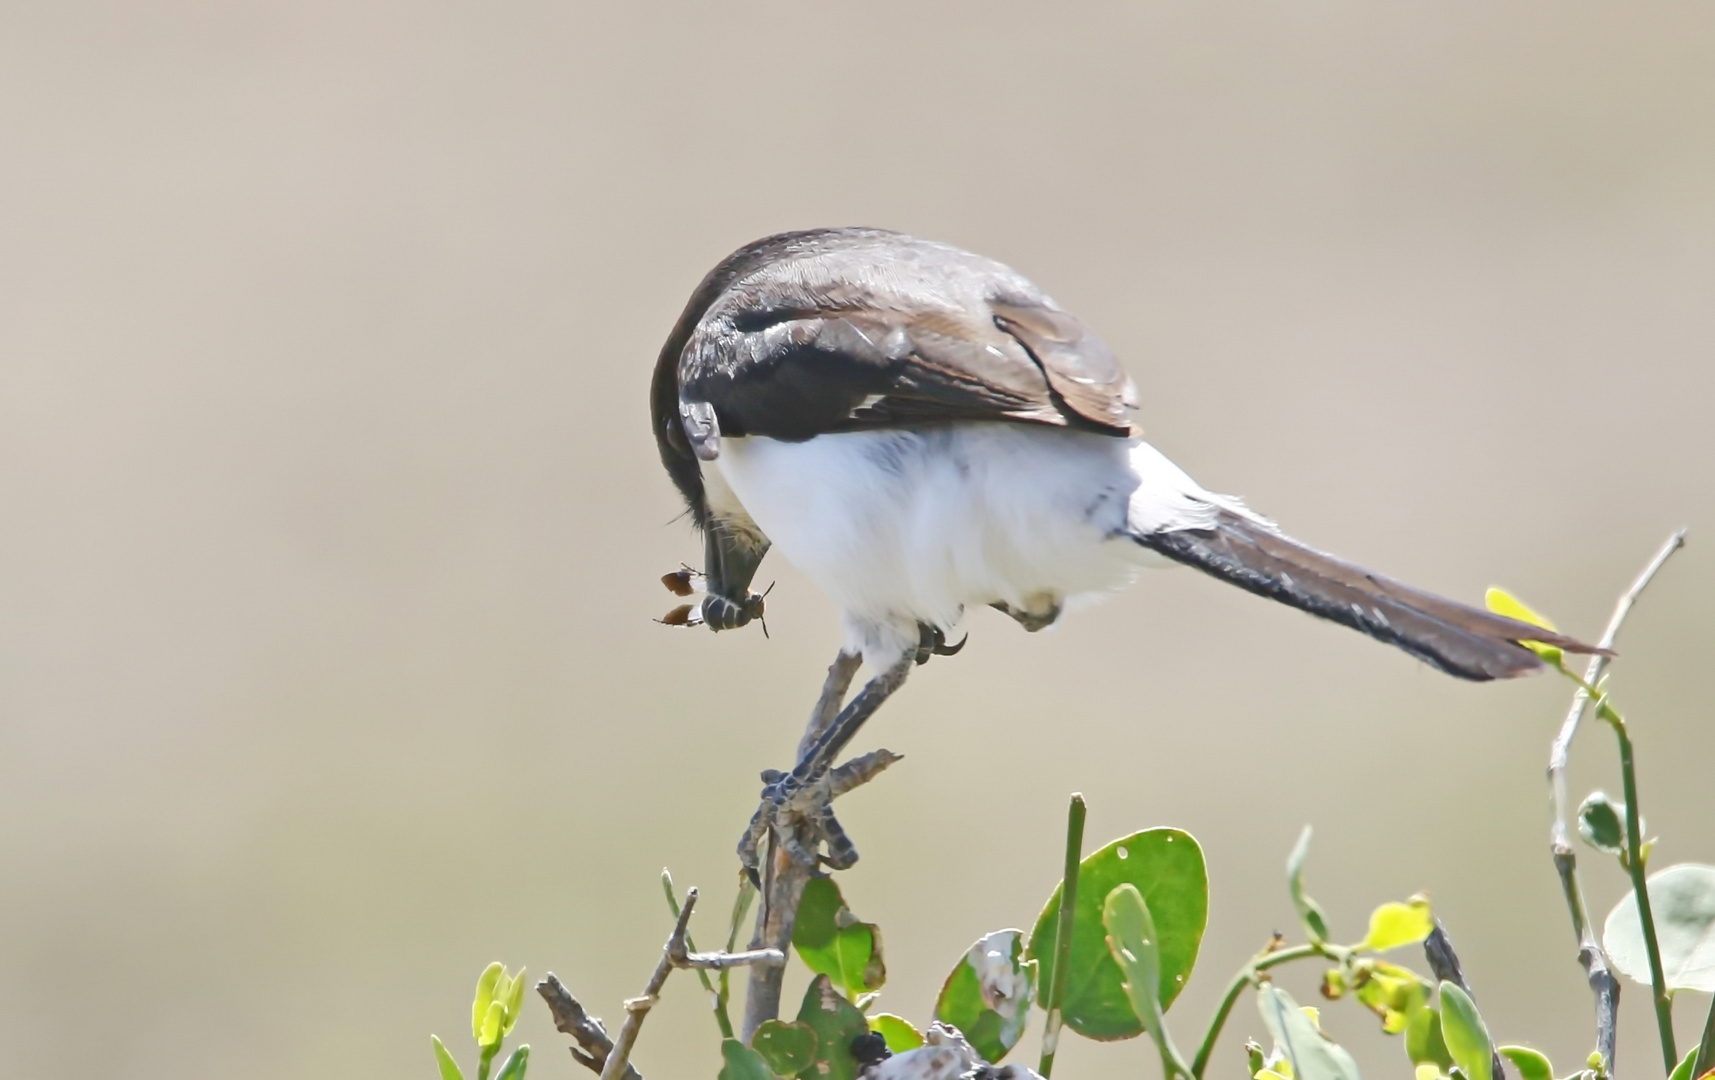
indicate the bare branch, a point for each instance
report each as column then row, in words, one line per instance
column 571, row 1018
column 1590, row 955
column 638, row 1007
column 1562, row 747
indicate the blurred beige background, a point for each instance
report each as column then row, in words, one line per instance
column 332, row 521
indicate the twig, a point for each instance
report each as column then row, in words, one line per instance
column 783, row 877
column 590, row 1033
column 1590, row 955
column 1247, row 976
column 1562, row 747
column 638, row 1007
column 1063, row 934
column 1444, row 962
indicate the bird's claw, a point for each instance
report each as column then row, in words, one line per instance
column 798, row 812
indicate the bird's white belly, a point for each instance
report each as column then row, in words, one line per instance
column 905, row 527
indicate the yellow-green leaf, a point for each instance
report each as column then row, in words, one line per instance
column 1395, row 924
column 488, row 1032
column 1505, row 603
column 485, row 984
column 514, row 1000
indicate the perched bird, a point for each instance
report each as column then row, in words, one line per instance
column 921, row 430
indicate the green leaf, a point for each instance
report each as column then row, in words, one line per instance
column 1505, row 603
column 513, row 1068
column 1532, row 1064
column 444, row 1058
column 1166, row 867
column 1602, row 823
column 1313, row 1055
column 491, row 975
column 740, row 1062
column 836, row 1023
column 1395, row 924
column 1315, row 924
column 489, row 1033
column 832, row 942
column 1682, row 900
column 1423, row 1042
column 988, row 994
column 787, row 1048
column 896, row 1031
column 1133, row 945
column 1466, row 1034
column 1682, row 1071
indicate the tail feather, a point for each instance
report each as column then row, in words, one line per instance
column 1460, row 640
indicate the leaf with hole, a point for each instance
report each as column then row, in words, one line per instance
column 988, row 995
column 832, row 942
column 836, row 1023
column 1166, row 867
column 787, row 1048
column 1682, row 901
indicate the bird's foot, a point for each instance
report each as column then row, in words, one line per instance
column 797, row 810
column 932, row 642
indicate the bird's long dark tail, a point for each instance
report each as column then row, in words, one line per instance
column 1460, row 640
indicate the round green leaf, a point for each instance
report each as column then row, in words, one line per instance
column 836, row 1023
column 1682, row 1071
column 1466, row 1034
column 1423, row 1042
column 1166, row 867
column 988, row 995
column 1395, row 924
column 1531, row 1064
column 740, row 1062
column 1682, row 900
column 897, row 1031
column 787, row 1048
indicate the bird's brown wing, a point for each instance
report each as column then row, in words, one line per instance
column 865, row 329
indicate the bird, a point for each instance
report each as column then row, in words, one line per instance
column 922, row 431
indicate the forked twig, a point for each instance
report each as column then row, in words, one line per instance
column 1590, row 955
column 610, row 1057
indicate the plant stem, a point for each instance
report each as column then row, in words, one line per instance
column 1245, row 977
column 722, row 1021
column 1640, row 888
column 1063, row 934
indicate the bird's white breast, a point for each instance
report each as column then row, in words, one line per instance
column 902, row 527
